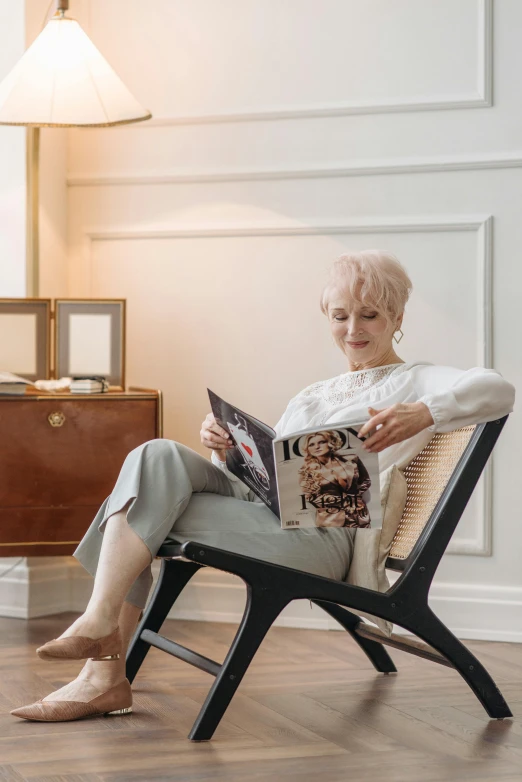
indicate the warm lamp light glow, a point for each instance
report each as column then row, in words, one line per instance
column 62, row 80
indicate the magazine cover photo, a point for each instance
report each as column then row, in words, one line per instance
column 326, row 479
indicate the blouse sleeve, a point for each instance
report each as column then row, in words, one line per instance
column 457, row 397
column 280, row 427
column 214, row 458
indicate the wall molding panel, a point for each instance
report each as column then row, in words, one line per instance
column 482, row 225
column 399, row 224
column 420, row 165
column 479, row 98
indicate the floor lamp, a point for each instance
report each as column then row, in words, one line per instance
column 62, row 81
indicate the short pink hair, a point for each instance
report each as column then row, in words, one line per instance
column 372, row 277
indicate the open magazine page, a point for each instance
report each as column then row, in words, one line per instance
column 326, row 479
column 252, row 459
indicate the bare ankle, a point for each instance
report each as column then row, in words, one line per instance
column 98, row 613
column 103, row 675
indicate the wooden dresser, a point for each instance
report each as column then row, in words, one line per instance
column 60, row 455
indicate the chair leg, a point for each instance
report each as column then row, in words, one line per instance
column 427, row 626
column 261, row 610
column 174, row 576
column 375, row 652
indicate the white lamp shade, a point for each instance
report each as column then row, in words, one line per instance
column 62, row 80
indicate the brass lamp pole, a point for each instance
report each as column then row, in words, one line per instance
column 62, row 81
column 32, row 212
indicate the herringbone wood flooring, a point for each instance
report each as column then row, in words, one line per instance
column 311, row 707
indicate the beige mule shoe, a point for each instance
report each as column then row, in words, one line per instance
column 80, row 647
column 117, row 700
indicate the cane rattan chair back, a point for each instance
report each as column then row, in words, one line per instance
column 427, row 476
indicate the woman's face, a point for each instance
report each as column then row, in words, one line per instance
column 362, row 332
column 318, row 445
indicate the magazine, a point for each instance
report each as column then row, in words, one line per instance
column 13, row 384
column 320, row 477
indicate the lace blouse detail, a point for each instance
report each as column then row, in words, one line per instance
column 343, row 388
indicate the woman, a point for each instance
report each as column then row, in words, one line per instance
column 333, row 483
column 167, row 492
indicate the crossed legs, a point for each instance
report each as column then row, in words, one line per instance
column 123, row 556
column 161, row 475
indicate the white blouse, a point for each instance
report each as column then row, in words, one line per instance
column 455, row 398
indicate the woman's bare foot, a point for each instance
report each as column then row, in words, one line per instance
column 94, row 679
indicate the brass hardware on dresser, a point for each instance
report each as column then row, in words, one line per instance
column 56, row 419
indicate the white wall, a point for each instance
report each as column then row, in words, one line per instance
column 53, row 277
column 20, row 23
column 12, row 163
column 12, row 178
column 284, row 133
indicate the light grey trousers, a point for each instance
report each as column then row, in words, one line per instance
column 174, row 494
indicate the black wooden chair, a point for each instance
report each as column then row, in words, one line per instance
column 440, row 482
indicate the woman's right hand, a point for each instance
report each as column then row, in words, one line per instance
column 216, row 438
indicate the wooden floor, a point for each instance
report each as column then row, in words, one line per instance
column 310, row 708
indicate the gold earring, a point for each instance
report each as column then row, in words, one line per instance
column 398, row 340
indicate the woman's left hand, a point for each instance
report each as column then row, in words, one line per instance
column 396, row 423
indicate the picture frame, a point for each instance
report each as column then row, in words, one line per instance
column 25, row 337
column 90, row 339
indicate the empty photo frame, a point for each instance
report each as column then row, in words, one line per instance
column 90, row 339
column 25, row 337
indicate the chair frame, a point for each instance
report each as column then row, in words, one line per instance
column 271, row 587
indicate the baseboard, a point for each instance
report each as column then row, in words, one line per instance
column 14, row 587
column 475, row 611
column 42, row 586
column 471, row 611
